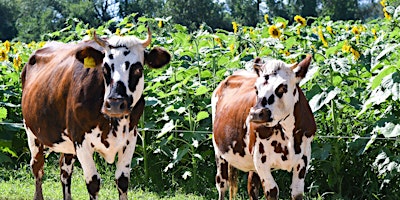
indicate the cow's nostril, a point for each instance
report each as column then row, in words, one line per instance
column 122, row 106
column 108, row 105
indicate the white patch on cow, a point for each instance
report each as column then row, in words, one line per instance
column 243, row 163
column 138, row 91
column 116, row 143
column 125, row 157
column 116, row 76
column 31, row 143
column 214, row 101
column 84, row 153
column 67, row 168
column 67, row 146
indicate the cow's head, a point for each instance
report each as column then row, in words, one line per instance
column 122, row 61
column 276, row 90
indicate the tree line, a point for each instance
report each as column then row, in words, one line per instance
column 27, row 20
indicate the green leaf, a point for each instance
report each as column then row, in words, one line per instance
column 387, row 49
column 376, row 80
column 202, row 115
column 390, row 130
column 323, row 98
column 3, row 113
column 201, row 90
column 167, row 128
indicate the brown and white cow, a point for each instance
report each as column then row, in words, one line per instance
column 78, row 111
column 261, row 122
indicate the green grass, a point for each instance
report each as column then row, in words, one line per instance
column 19, row 184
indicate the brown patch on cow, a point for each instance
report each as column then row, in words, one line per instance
column 123, row 149
column 37, row 166
column 253, row 185
column 298, row 167
column 263, row 158
column 127, row 142
column 92, row 145
column 136, row 112
column 273, row 193
column 298, row 197
column 229, row 123
column 279, row 149
column 264, row 132
column 302, row 172
column 224, row 170
column 218, row 179
column 304, row 121
column 261, row 148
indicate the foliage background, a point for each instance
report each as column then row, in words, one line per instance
column 353, row 88
column 28, row 20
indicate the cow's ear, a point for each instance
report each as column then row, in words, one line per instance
column 301, row 69
column 257, row 66
column 157, row 57
column 89, row 56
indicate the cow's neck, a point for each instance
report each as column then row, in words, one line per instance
column 117, row 123
column 288, row 124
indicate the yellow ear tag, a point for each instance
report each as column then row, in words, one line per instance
column 89, row 62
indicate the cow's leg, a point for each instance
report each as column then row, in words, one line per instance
column 263, row 169
column 84, row 152
column 299, row 174
column 232, row 181
column 253, row 185
column 221, row 179
column 122, row 174
column 66, row 168
column 37, row 162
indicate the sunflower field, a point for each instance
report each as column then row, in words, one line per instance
column 353, row 87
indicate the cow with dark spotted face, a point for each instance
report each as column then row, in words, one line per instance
column 77, row 111
column 262, row 121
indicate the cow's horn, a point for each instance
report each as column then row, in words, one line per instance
column 294, row 65
column 146, row 42
column 99, row 40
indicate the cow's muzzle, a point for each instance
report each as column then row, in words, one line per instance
column 116, row 107
column 261, row 115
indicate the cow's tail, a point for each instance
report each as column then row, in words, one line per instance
column 233, row 181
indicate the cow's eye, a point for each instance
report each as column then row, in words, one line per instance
column 280, row 90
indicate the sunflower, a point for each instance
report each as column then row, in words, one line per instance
column 355, row 30
column 383, row 3
column 160, row 24
column 118, row 32
column 346, row 47
column 299, row 19
column 17, row 62
column 321, row 36
column 274, row 31
column 7, row 45
column 232, row 47
column 329, row 29
column 3, row 55
column 266, row 18
column 355, row 53
column 218, row 40
column 374, row 33
column 387, row 15
column 235, row 27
